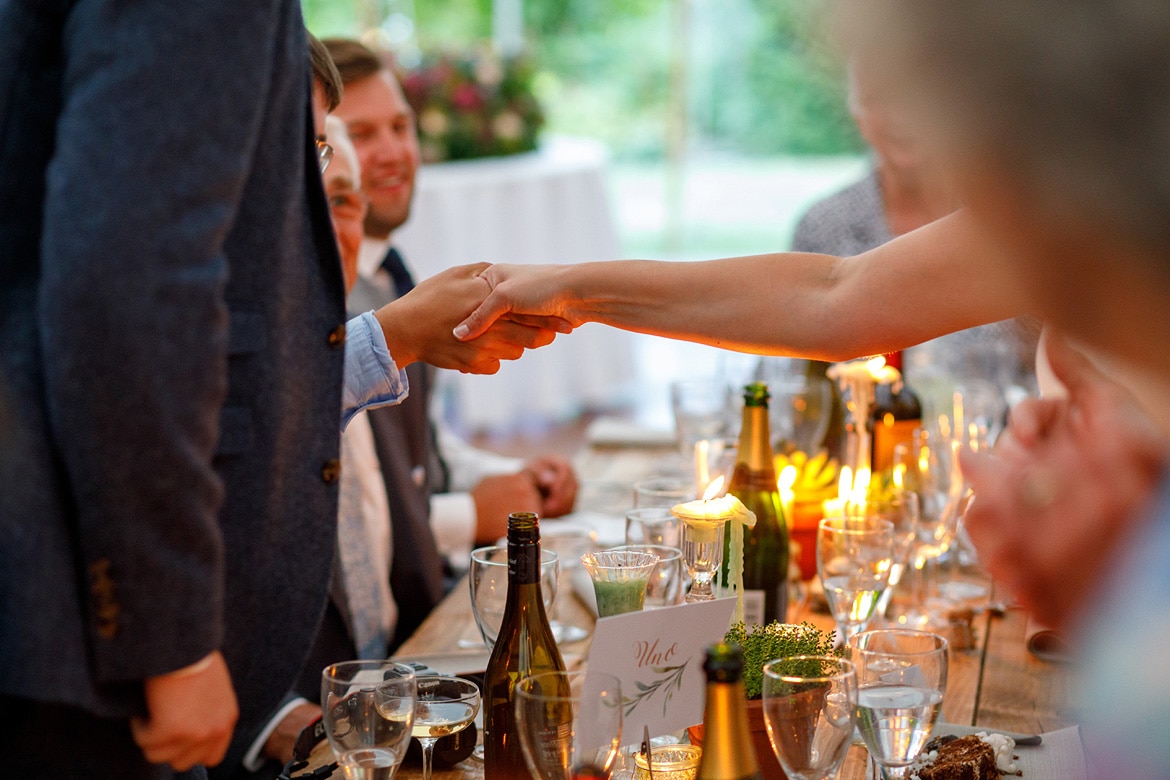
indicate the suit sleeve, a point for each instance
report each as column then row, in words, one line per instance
column 161, row 106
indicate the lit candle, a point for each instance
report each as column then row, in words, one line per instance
column 701, row 520
column 835, row 507
column 784, row 484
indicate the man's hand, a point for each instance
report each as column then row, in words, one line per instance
column 556, row 482
column 1065, row 486
column 280, row 743
column 191, row 714
column 526, row 294
column 497, row 497
column 419, row 325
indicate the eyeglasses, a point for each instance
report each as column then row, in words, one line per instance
column 324, row 153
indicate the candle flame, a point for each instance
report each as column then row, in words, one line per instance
column 845, row 483
column 875, row 364
column 714, row 489
column 899, row 475
column 861, row 486
column 787, row 478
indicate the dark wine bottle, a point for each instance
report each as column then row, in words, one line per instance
column 524, row 647
column 727, row 741
column 896, row 413
column 765, row 547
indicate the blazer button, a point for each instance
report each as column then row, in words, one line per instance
column 337, row 337
column 331, row 471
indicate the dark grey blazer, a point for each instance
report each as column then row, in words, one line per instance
column 171, row 311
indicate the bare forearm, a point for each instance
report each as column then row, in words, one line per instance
column 920, row 286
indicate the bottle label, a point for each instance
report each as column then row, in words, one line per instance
column 753, row 607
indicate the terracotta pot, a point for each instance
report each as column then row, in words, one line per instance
column 770, row 768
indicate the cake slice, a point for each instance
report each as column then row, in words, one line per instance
column 966, row 758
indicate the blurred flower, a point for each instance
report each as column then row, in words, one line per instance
column 473, row 105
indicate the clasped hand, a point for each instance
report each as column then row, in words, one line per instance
column 419, row 325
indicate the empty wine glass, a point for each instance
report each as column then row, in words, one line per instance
column 652, row 525
column 663, row 492
column 901, row 680
column 854, row 556
column 808, row 712
column 368, row 709
column 444, row 706
column 570, row 723
column 488, row 580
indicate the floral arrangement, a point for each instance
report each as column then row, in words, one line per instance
column 473, row 105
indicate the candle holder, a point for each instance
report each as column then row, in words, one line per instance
column 857, row 379
column 702, row 546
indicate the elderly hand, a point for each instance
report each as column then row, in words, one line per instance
column 1067, row 483
column 191, row 714
column 419, row 325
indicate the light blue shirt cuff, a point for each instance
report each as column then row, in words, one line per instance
column 372, row 379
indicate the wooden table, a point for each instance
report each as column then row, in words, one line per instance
column 996, row 684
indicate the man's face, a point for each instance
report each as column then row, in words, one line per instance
column 381, row 126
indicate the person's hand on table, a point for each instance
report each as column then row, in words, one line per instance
column 1066, row 484
column 528, row 294
column 557, row 483
column 190, row 715
column 418, row 326
column 498, row 496
column 280, row 743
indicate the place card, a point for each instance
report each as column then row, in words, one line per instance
column 658, row 656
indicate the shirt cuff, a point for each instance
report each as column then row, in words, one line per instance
column 372, row 378
column 453, row 524
column 254, row 759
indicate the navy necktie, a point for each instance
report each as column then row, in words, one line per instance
column 403, row 283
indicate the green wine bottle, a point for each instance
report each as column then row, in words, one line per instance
column 765, row 547
column 524, row 647
column 727, row 741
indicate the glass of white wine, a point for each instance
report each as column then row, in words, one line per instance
column 901, row 680
column 444, row 706
column 368, row 709
column 854, row 557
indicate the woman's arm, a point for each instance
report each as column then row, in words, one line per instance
column 935, row 280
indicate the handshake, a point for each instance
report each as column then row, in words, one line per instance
column 455, row 320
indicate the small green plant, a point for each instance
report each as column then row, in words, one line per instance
column 776, row 640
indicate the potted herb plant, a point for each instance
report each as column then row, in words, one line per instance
column 762, row 644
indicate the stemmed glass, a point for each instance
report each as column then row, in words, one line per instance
column 854, row 556
column 445, row 706
column 702, row 547
column 570, row 723
column 367, row 710
column 488, row 580
column 902, row 677
column 901, row 509
column 808, row 711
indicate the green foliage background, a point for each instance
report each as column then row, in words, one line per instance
column 763, row 78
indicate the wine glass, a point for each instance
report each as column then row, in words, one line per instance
column 367, row 709
column 854, row 556
column 901, row 680
column 700, row 409
column 808, row 712
column 901, row 509
column 570, row 723
column 619, row 579
column 445, row 706
column 488, row 580
column 665, row 586
column 652, row 525
column 663, row 492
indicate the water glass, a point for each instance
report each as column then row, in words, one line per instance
column 569, row 723
column 666, row 582
column 901, row 681
column 368, row 713
column 488, row 580
column 808, row 712
column 663, row 492
column 652, row 525
column 854, row 556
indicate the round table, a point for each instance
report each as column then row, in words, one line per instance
column 548, row 206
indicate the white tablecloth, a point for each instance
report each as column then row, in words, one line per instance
column 549, row 206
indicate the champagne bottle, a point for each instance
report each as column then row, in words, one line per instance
column 524, row 647
column 727, row 742
column 765, row 547
column 896, row 413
